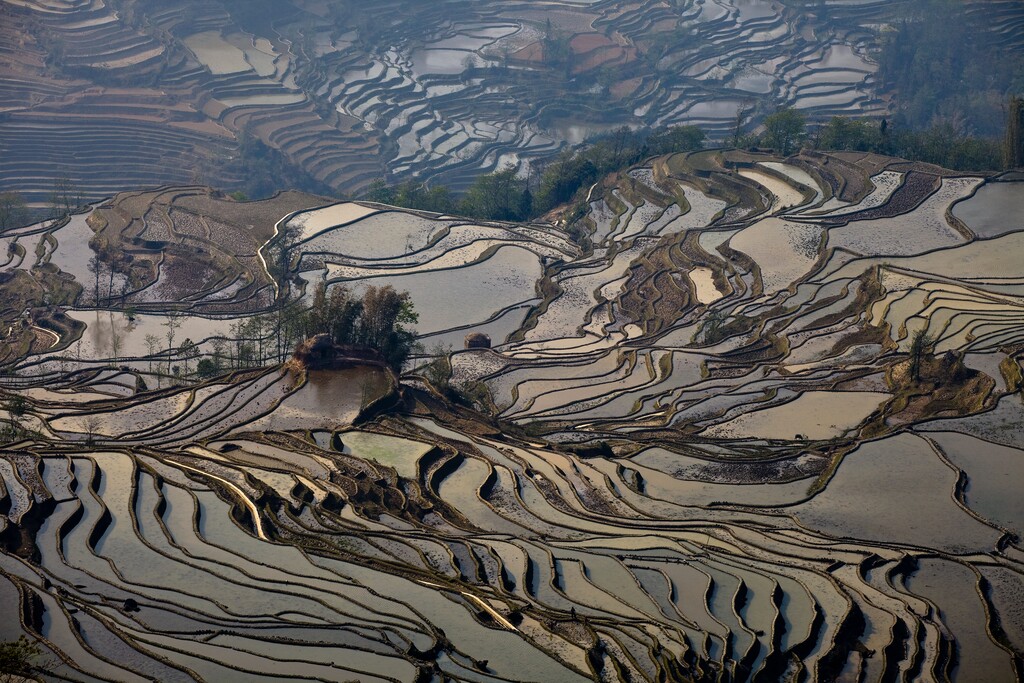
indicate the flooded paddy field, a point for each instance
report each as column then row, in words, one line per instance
column 427, row 93
column 733, row 435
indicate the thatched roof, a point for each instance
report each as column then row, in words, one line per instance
column 321, row 352
column 477, row 340
column 321, row 342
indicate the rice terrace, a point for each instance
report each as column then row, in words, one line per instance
column 529, row 341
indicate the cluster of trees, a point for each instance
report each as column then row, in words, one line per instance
column 64, row 199
column 12, row 429
column 574, row 171
column 21, row 660
column 921, row 345
column 506, row 195
column 379, row 319
column 13, row 211
column 944, row 65
column 263, row 167
column 939, row 144
column 786, row 130
column 107, row 261
column 502, row 196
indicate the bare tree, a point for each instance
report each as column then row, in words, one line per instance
column 172, row 323
column 92, row 425
column 742, row 112
column 152, row 347
column 236, row 333
column 64, row 197
column 96, row 268
column 115, row 338
column 219, row 346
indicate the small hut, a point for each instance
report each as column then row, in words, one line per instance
column 321, row 353
column 316, row 351
column 478, row 340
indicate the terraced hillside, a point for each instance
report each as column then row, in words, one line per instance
column 763, row 421
column 139, row 93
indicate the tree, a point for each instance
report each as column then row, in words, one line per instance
column 219, row 345
column 558, row 50
column 742, row 112
column 19, row 659
column 115, row 338
column 92, row 426
column 11, row 430
column 920, row 345
column 65, row 197
column 172, row 323
column 279, row 261
column 254, row 329
column 96, row 266
column 439, row 371
column 385, row 312
column 287, row 322
column 17, row 405
column 13, row 211
column 785, row 129
column 842, row 133
column 563, row 178
column 235, row 332
column 206, row 368
column 115, row 260
column 152, row 348
column 496, row 196
column 1013, row 146
column 246, row 354
column 676, row 139
column 188, row 350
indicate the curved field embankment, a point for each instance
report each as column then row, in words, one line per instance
column 764, row 422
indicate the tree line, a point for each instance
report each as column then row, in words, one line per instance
column 942, row 144
column 943, row 62
column 509, row 196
